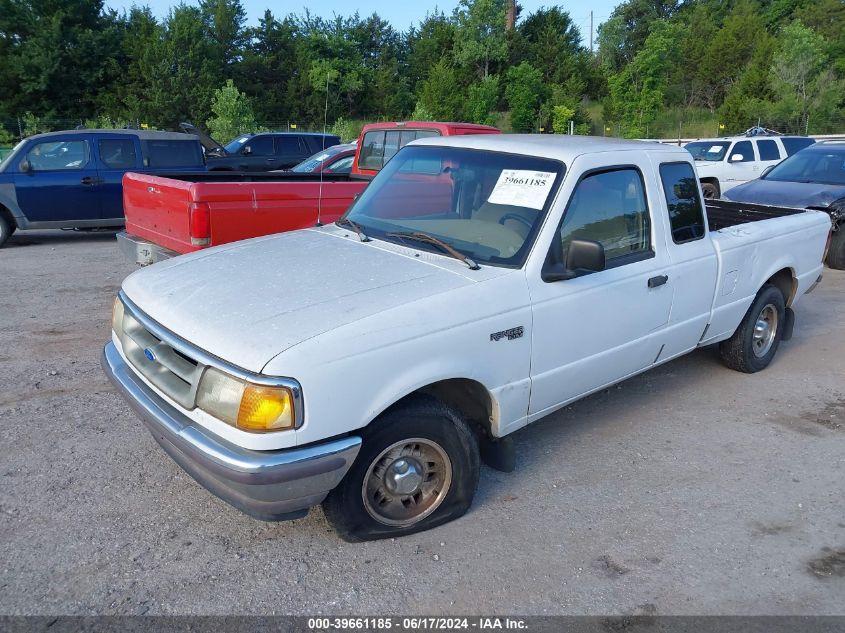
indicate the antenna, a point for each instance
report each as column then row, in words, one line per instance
column 325, row 124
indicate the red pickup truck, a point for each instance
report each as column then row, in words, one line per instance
column 185, row 213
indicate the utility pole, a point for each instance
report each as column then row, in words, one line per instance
column 591, row 32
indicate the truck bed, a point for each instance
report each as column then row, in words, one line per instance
column 186, row 212
column 722, row 214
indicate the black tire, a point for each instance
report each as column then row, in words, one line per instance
column 6, row 228
column 710, row 190
column 749, row 350
column 427, row 424
column 836, row 253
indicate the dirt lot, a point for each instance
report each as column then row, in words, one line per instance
column 690, row 489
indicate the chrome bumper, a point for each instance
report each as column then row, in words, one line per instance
column 268, row 485
column 138, row 251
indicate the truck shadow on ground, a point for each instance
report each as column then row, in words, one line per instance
column 599, row 412
column 54, row 238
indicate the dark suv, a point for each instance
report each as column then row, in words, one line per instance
column 270, row 150
column 73, row 179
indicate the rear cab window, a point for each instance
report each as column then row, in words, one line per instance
column 686, row 215
column 379, row 146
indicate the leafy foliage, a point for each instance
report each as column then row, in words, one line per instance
column 659, row 65
column 233, row 113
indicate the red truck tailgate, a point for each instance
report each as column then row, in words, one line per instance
column 160, row 209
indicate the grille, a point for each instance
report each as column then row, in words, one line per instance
column 175, row 373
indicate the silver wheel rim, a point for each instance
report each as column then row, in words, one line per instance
column 765, row 329
column 407, row 482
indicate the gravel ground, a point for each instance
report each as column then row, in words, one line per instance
column 691, row 489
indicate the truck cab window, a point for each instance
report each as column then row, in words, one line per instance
column 610, row 207
column 744, row 149
column 58, row 155
column 286, row 145
column 768, row 150
column 260, row 146
column 117, row 153
column 680, row 186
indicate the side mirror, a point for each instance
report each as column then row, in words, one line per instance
column 584, row 256
column 766, row 171
column 736, row 158
column 25, row 166
column 246, row 151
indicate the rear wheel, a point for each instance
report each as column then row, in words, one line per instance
column 836, row 253
column 418, row 468
column 6, row 229
column 710, row 190
column 755, row 342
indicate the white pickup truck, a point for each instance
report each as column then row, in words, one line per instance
column 478, row 284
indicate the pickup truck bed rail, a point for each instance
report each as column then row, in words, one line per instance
column 724, row 213
column 263, row 176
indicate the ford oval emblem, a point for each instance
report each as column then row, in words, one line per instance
column 149, row 354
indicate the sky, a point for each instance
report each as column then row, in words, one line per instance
column 401, row 14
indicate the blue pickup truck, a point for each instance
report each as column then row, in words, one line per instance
column 73, row 179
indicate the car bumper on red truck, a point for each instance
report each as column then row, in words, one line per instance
column 139, row 251
column 268, row 485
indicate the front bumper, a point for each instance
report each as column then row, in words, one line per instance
column 269, row 485
column 138, row 251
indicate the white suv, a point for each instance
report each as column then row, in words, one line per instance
column 723, row 163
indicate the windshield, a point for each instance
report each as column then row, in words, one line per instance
column 823, row 166
column 311, row 163
column 708, row 150
column 235, row 145
column 486, row 205
column 8, row 159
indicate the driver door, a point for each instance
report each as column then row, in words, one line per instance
column 600, row 327
column 62, row 185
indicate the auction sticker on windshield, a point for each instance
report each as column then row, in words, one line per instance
column 522, row 188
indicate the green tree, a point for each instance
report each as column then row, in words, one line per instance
column 637, row 92
column 561, row 116
column 625, row 32
column 440, row 96
column 482, row 99
column 730, row 49
column 427, row 44
column 233, row 114
column 524, row 92
column 804, row 86
column 480, row 38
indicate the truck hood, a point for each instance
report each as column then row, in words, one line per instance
column 249, row 301
column 787, row 194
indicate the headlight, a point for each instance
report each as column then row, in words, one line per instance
column 250, row 407
column 117, row 316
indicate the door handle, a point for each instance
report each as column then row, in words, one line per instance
column 87, row 180
column 658, row 281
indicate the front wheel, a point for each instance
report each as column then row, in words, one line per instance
column 6, row 229
column 755, row 342
column 418, row 468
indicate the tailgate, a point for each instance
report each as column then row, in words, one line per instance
column 158, row 210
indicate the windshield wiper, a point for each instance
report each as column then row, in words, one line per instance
column 430, row 239
column 361, row 235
